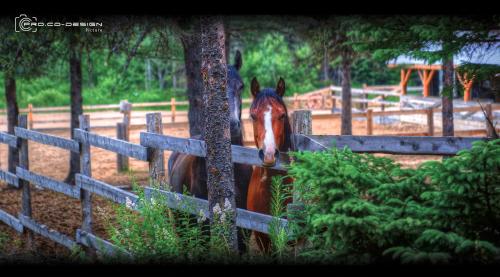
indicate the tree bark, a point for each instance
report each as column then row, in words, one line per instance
column 326, row 65
column 192, row 58
column 218, row 136
column 12, row 117
column 346, row 124
column 447, row 98
column 75, row 72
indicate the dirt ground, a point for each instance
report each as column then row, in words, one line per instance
column 63, row 213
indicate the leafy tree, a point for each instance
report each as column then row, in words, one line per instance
column 22, row 54
column 301, row 75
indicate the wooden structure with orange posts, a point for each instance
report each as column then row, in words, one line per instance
column 467, row 82
column 426, row 73
column 405, row 76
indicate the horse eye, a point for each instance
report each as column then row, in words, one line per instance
column 253, row 117
column 282, row 117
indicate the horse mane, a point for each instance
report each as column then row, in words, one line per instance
column 271, row 93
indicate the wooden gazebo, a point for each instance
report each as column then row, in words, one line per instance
column 426, row 71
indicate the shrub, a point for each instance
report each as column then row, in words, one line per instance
column 156, row 233
column 365, row 209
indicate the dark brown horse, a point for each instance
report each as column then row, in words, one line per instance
column 272, row 132
column 190, row 171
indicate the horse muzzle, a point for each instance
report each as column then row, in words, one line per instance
column 268, row 160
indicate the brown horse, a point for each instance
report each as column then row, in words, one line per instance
column 272, row 133
column 190, row 171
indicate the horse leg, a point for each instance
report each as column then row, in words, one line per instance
column 242, row 175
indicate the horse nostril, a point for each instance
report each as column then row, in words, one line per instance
column 277, row 154
column 261, row 155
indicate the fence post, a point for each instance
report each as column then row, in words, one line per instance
column 430, row 122
column 301, row 124
column 172, row 107
column 156, row 164
column 126, row 110
column 364, row 105
column 24, row 163
column 30, row 116
column 490, row 129
column 85, row 169
column 369, row 122
column 334, row 103
column 121, row 133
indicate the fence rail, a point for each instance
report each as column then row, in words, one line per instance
column 152, row 143
column 39, row 137
column 387, row 144
column 115, row 145
column 8, row 139
column 49, row 183
column 240, row 154
column 9, row 178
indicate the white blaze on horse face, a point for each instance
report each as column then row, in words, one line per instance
column 236, row 109
column 269, row 143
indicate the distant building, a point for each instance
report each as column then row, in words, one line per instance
column 432, row 78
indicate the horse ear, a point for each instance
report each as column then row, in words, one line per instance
column 255, row 87
column 238, row 61
column 280, row 88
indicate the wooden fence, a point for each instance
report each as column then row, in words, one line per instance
column 151, row 147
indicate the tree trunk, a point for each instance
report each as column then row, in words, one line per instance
column 12, row 115
column 192, row 59
column 227, row 40
column 346, row 124
column 219, row 166
column 75, row 72
column 174, row 75
column 447, row 97
column 326, row 65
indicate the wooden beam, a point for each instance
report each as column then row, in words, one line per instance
column 46, row 139
column 404, row 145
column 369, row 122
column 121, row 134
column 45, row 231
column 240, row 154
column 9, row 178
column 416, row 66
column 430, row 122
column 105, row 190
column 156, row 158
column 102, row 246
column 85, row 170
column 244, row 218
column 115, row 145
column 8, row 139
column 26, row 209
column 46, row 182
column 11, row 220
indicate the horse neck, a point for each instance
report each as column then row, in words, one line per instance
column 287, row 145
column 237, row 140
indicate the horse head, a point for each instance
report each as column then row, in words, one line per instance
column 270, row 121
column 234, row 94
